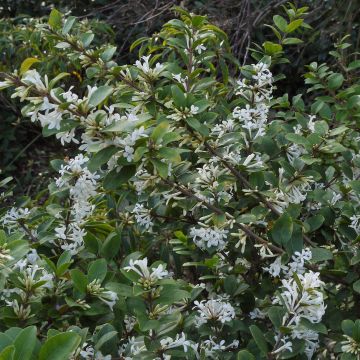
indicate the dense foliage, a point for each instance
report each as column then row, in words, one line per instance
column 25, row 153
column 204, row 215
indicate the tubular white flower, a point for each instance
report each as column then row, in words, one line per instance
column 142, row 216
column 206, row 238
column 147, row 278
column 213, row 309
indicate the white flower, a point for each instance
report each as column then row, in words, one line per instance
column 213, row 309
column 146, row 69
column 108, row 297
column 285, row 344
column 200, row 48
column 14, row 215
column 303, row 299
column 350, row 346
column 311, row 123
column 306, row 302
column 253, row 119
column 130, row 322
column 129, row 141
column 142, row 216
column 32, row 77
column 206, row 238
column 275, row 268
column 355, row 223
column 293, row 152
column 224, row 127
column 67, row 137
column 180, row 340
column 149, row 277
column 179, row 79
column 257, row 314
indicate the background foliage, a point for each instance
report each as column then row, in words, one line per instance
column 24, row 153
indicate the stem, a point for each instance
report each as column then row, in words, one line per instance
column 27, row 231
column 218, row 211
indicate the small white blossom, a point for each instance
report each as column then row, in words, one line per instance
column 206, row 238
column 213, row 309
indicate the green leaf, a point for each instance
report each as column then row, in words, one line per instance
column 354, row 65
column 101, row 157
column 79, row 280
column 87, row 38
column 108, row 53
column 159, row 131
column 259, row 338
column 315, row 222
column 245, row 355
column 8, row 353
column 320, row 254
column 105, row 338
column 68, row 24
column 114, row 179
column 161, row 167
column 97, row 270
column 317, row 327
column 57, row 78
column 280, row 22
column 356, row 286
column 27, row 63
column 335, row 81
column 332, row 148
column 276, row 314
column 282, row 229
column 60, row 347
column 294, row 25
column 272, row 48
column 25, row 343
column 55, row 19
column 100, row 94
column 201, row 105
column 171, row 294
column 297, row 139
column 196, row 125
column 347, row 327
column 178, row 97
column 111, row 245
column 292, row 41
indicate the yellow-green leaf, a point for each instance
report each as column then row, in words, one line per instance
column 27, row 63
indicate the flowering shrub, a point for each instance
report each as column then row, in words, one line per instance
column 204, row 217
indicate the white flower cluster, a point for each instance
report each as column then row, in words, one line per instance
column 355, row 223
column 297, row 265
column 213, row 347
column 87, row 352
column 13, row 216
column 148, row 277
column 82, row 185
column 142, row 216
column 294, row 192
column 179, row 341
column 206, row 238
column 253, row 117
column 183, row 113
column 213, row 310
column 107, row 296
column 350, row 346
column 147, row 70
column 33, row 282
column 303, row 299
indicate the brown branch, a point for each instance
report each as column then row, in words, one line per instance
column 218, row 211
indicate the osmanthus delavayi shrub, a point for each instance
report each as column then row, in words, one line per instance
column 203, row 217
